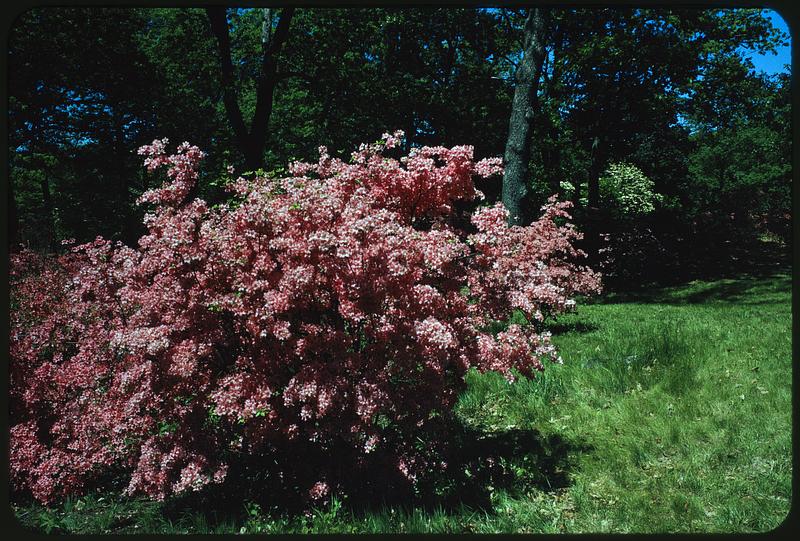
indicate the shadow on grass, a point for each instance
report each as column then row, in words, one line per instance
column 746, row 290
column 749, row 260
column 477, row 464
column 514, row 461
column 571, row 326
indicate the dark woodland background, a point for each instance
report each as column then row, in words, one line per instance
column 672, row 92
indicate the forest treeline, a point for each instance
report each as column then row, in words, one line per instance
column 654, row 122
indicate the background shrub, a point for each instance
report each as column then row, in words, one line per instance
column 627, row 190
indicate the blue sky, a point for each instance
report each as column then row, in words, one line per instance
column 774, row 63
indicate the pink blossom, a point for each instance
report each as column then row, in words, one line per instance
column 322, row 305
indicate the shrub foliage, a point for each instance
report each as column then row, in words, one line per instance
column 338, row 308
column 627, row 190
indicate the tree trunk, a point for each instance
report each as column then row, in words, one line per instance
column 251, row 142
column 594, row 217
column 523, row 109
column 36, row 148
column 13, row 218
column 576, row 194
column 594, row 174
column 127, row 230
column 410, row 131
column 47, row 201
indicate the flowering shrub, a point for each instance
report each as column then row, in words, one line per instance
column 629, row 245
column 337, row 308
column 626, row 189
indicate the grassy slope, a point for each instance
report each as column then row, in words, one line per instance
column 685, row 399
column 671, row 412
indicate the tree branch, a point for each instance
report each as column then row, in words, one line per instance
column 267, row 79
column 219, row 26
column 282, row 32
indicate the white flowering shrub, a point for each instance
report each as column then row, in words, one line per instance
column 625, row 189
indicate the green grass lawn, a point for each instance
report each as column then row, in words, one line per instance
column 670, row 413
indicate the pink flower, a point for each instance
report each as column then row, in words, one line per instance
column 319, row 490
column 331, row 309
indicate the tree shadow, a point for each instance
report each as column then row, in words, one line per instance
column 746, row 258
column 739, row 291
column 477, row 463
column 545, row 461
column 571, row 326
column 747, row 289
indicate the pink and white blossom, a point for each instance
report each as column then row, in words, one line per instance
column 325, row 301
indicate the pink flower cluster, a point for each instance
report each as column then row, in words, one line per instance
column 334, row 307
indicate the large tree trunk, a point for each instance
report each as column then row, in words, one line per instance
column 13, row 218
column 595, row 166
column 37, row 149
column 251, row 142
column 595, row 222
column 128, row 231
column 523, row 110
column 47, row 202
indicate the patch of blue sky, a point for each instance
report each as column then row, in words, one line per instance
column 780, row 61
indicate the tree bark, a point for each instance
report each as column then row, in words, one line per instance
column 47, row 201
column 594, row 220
column 13, row 218
column 595, row 166
column 253, row 141
column 37, row 148
column 523, row 110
